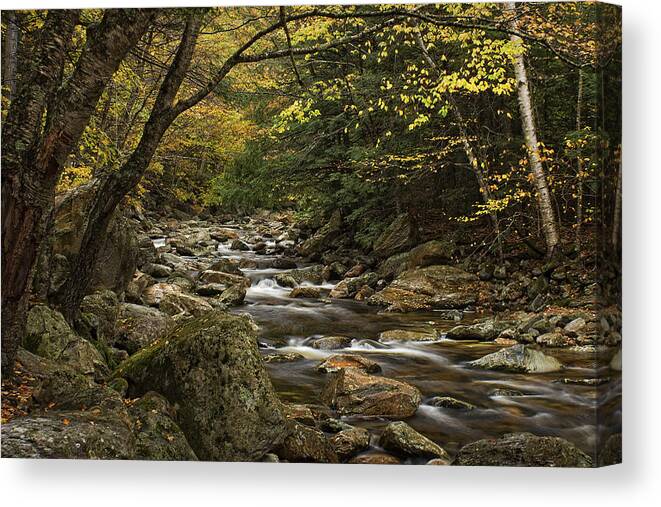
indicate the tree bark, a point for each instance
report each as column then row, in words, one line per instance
column 35, row 151
column 10, row 55
column 114, row 185
column 544, row 201
column 474, row 162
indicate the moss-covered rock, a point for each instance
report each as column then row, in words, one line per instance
column 432, row 287
column 518, row 359
column 48, row 335
column 525, row 450
column 138, row 326
column 104, row 307
column 179, row 303
column 402, row 440
column 157, row 436
column 306, row 445
column 349, row 442
column 210, row 369
column 72, row 417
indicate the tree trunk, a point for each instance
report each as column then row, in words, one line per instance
column 468, row 149
column 10, row 54
column 115, row 185
column 544, row 201
column 35, row 151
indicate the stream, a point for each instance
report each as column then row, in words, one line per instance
column 538, row 403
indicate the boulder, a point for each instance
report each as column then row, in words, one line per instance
column 353, row 392
column 306, row 445
column 349, row 442
column 211, row 370
column 285, row 280
column 555, row 340
column 375, row 458
column 48, row 335
column 518, row 359
column 74, row 417
column 102, row 309
column 523, row 449
column 69, row 435
column 312, row 274
column 611, row 451
column 430, row 253
column 332, row 342
column 223, row 234
column 407, row 335
column 283, row 357
column 487, row 330
column 364, row 293
column 300, row 413
column 157, row 270
column 237, row 244
column 210, row 289
column 176, row 303
column 395, row 238
column 157, row 436
column 173, row 261
column 433, row 287
column 616, row 361
column 402, row 440
column 224, row 278
column 283, row 263
column 350, row 286
column 139, row 326
column 449, row 402
column 153, row 294
column 232, row 296
column 575, row 326
column 340, row 361
column 226, row 265
column 117, row 259
column 324, row 237
column 305, row 292
column 136, row 287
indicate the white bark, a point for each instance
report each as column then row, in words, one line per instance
column 544, row 201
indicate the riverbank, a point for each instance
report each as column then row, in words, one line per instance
column 351, row 344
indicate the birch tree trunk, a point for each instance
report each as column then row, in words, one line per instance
column 544, row 201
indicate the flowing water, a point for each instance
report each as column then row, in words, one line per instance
column 543, row 406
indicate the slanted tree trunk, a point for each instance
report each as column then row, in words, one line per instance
column 474, row 162
column 113, row 186
column 35, row 151
column 549, row 222
column 10, row 54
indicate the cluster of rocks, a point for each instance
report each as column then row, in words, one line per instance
column 198, row 392
column 553, row 328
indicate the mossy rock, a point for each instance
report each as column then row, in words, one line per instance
column 48, row 335
column 210, row 370
column 157, row 436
